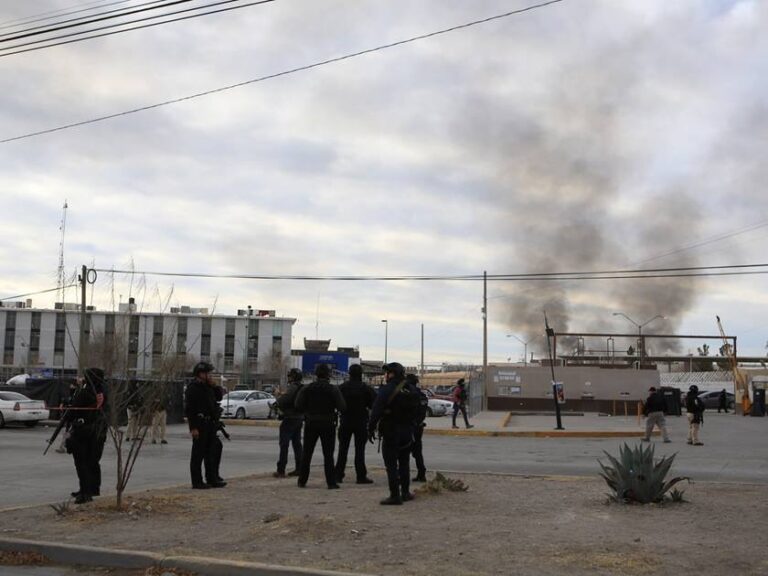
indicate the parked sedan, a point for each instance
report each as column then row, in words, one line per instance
column 15, row 407
column 712, row 399
column 242, row 404
column 437, row 407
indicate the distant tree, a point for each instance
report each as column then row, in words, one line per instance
column 703, row 365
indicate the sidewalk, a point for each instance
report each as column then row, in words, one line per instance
column 535, row 425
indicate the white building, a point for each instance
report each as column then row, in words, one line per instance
column 45, row 340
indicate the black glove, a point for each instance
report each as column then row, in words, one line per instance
column 371, row 435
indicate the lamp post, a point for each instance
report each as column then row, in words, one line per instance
column 525, row 346
column 641, row 352
column 386, row 334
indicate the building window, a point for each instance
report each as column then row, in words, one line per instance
column 181, row 336
column 229, row 344
column 59, row 339
column 10, row 338
column 205, row 340
column 157, row 337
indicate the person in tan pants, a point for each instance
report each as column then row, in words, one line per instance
column 695, row 408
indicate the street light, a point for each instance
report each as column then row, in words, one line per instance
column 640, row 332
column 386, row 334
column 525, row 346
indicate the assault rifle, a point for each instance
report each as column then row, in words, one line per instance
column 220, row 427
column 57, row 430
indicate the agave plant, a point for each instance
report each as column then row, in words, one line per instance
column 635, row 477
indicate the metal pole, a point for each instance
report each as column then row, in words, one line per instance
column 485, row 342
column 83, row 344
column 421, row 372
column 386, row 336
column 551, row 333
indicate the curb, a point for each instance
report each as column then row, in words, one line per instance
column 492, row 433
column 76, row 555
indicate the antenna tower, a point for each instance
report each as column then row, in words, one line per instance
column 61, row 281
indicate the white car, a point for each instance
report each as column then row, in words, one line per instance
column 242, row 404
column 436, row 407
column 15, row 407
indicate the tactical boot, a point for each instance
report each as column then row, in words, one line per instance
column 392, row 501
column 419, row 478
column 82, row 499
column 408, row 496
column 364, row 480
column 279, row 474
column 293, row 473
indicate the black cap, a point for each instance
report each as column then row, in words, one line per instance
column 295, row 375
column 323, row 371
column 652, row 389
column 460, row 382
column 202, row 367
column 94, row 376
column 412, row 379
column 396, row 368
column 693, row 388
column 356, row 372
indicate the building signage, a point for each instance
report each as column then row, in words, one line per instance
column 336, row 360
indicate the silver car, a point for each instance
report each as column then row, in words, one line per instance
column 242, row 404
column 15, row 407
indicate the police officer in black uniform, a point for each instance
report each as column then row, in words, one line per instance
column 359, row 398
column 291, row 425
column 202, row 412
column 88, row 432
column 418, row 430
column 319, row 402
column 394, row 412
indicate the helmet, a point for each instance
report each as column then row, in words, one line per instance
column 460, row 382
column 202, row 367
column 323, row 371
column 693, row 388
column 356, row 372
column 396, row 368
column 295, row 375
column 412, row 379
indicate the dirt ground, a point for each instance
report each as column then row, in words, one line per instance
column 501, row 525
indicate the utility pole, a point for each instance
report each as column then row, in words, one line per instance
column 83, row 344
column 421, row 372
column 485, row 341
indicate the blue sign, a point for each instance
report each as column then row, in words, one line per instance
column 336, row 360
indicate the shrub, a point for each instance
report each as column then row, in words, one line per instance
column 635, row 477
column 441, row 482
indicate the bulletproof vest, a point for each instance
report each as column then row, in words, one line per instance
column 421, row 414
column 356, row 395
column 319, row 399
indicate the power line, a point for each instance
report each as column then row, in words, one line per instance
column 285, row 72
column 687, row 272
column 90, row 19
column 83, row 38
column 50, row 15
column 35, row 293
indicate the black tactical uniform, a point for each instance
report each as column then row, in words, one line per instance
column 359, row 398
column 394, row 412
column 202, row 411
column 88, row 432
column 291, row 425
column 319, row 402
column 418, row 430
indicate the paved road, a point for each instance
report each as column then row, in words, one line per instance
column 735, row 450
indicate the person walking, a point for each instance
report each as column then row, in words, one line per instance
column 202, row 412
column 460, row 403
column 393, row 414
column 653, row 410
column 319, row 402
column 418, row 430
column 291, row 424
column 695, row 408
column 722, row 401
column 358, row 397
column 88, row 432
column 160, row 414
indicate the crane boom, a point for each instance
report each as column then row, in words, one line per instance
column 740, row 384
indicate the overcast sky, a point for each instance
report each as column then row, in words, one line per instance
column 586, row 135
